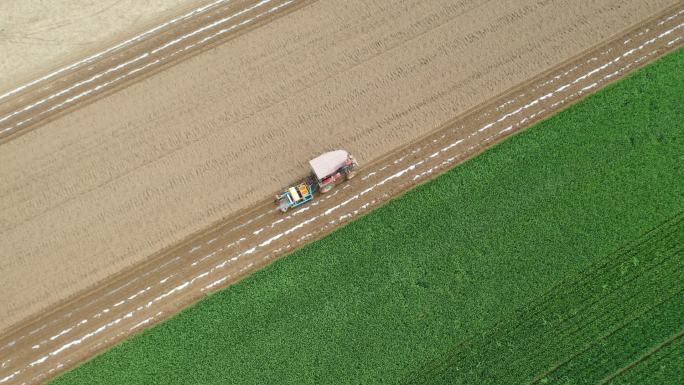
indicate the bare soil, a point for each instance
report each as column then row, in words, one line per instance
column 37, row 35
column 108, row 189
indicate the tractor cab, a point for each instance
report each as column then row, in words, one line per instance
column 332, row 166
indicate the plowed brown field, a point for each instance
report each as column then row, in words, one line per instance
column 98, row 190
column 35, row 34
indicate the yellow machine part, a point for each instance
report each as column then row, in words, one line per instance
column 294, row 195
column 303, row 189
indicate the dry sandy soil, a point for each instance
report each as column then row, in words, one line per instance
column 197, row 157
column 37, row 35
column 109, row 184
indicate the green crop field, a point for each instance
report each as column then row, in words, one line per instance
column 590, row 328
column 554, row 257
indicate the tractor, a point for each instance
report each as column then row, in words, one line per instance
column 326, row 170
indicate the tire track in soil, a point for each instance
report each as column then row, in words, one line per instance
column 27, row 106
column 41, row 347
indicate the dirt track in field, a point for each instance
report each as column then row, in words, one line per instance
column 57, row 92
column 139, row 297
column 36, row 35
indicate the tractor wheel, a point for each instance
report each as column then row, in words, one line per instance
column 326, row 188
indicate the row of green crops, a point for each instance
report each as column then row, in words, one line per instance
column 384, row 298
column 662, row 366
column 588, row 328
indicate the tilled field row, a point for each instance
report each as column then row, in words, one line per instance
column 661, row 364
column 25, row 107
column 44, row 346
